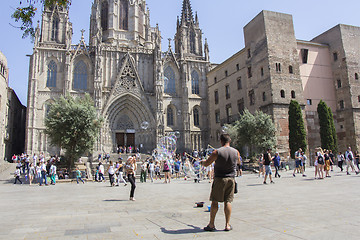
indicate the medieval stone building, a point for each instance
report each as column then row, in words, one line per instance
column 127, row 73
column 275, row 67
column 12, row 116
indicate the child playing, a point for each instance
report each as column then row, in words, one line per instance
column 78, row 176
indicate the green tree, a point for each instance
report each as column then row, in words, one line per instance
column 257, row 132
column 27, row 10
column 326, row 131
column 297, row 133
column 73, row 124
column 333, row 131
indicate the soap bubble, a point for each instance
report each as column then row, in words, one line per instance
column 168, row 145
column 145, row 125
column 177, row 134
column 224, row 129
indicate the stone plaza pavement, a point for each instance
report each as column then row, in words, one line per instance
column 293, row 208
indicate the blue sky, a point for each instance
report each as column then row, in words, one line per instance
column 222, row 23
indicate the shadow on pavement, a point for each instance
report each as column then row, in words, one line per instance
column 254, row 185
column 115, row 200
column 191, row 230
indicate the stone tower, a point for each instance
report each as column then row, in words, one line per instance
column 186, row 94
column 273, row 69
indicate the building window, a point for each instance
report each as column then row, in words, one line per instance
column 239, row 83
column 170, row 116
column 227, row 91
column 249, row 53
column 252, row 97
column 226, row 73
column 291, row 70
column 228, row 113
column 215, row 80
column 196, row 117
column 55, row 28
column 237, row 67
column 80, row 76
column 264, row 96
column 278, row 67
column 124, row 12
column 216, row 96
column 241, row 105
column 195, row 82
column 342, row 104
column 262, row 71
column 293, row 95
column 309, row 102
column 359, row 99
column 304, row 55
column 339, row 83
column 104, row 15
column 282, row 94
column 335, row 55
column 356, row 76
column 217, row 116
column 249, row 72
column 192, row 41
column 51, row 74
column 169, row 80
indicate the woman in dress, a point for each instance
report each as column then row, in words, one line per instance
column 130, row 171
column 327, row 163
column 32, row 173
column 166, row 170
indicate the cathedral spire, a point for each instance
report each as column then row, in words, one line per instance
column 187, row 14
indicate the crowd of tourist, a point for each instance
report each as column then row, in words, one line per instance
column 37, row 170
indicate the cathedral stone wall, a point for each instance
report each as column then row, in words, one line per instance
column 122, row 68
column 3, row 104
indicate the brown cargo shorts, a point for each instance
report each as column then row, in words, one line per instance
column 223, row 190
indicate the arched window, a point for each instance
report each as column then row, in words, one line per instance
column 196, row 117
column 80, row 76
column 124, row 12
column 169, row 81
column 104, row 15
column 282, row 93
column 356, row 76
column 293, row 95
column 51, row 74
column 55, row 28
column 195, row 82
column 192, row 42
column 170, row 116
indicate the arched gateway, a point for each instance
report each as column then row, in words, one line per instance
column 123, row 119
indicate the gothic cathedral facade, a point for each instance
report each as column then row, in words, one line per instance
column 125, row 71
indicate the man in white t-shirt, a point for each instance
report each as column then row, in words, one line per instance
column 53, row 173
column 349, row 156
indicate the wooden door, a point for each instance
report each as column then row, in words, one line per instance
column 130, row 139
column 120, row 139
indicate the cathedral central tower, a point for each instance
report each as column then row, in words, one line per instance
column 120, row 22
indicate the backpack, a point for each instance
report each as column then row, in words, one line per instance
column 349, row 156
column 320, row 160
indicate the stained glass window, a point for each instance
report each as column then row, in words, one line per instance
column 170, row 116
column 104, row 15
column 80, row 76
column 169, row 82
column 195, row 82
column 51, row 74
column 124, row 11
column 196, row 117
column 55, row 28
